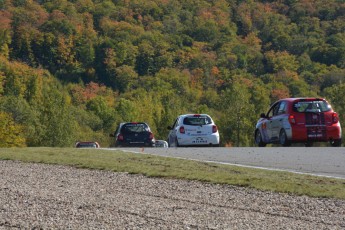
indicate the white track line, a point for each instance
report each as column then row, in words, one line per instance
column 239, row 165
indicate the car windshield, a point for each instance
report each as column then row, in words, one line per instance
column 197, row 120
column 134, row 128
column 316, row 106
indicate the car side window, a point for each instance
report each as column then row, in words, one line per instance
column 282, row 108
column 274, row 110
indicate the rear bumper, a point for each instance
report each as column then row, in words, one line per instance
column 134, row 144
column 209, row 140
column 317, row 134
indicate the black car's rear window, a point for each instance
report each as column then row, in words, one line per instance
column 316, row 106
column 197, row 120
column 134, row 128
column 86, row 145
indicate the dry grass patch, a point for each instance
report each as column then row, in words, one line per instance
column 156, row 166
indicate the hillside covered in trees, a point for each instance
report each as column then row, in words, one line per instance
column 73, row 69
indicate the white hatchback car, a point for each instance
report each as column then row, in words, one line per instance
column 193, row 130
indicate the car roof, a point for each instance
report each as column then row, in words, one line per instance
column 292, row 99
column 194, row 114
column 86, row 142
column 124, row 123
column 133, row 122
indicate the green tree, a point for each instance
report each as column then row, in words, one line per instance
column 26, row 20
column 56, row 117
column 335, row 94
column 99, row 107
column 11, row 134
column 2, row 78
column 153, row 54
column 125, row 78
column 236, row 121
column 5, row 41
column 259, row 98
column 126, row 111
column 281, row 61
column 23, row 115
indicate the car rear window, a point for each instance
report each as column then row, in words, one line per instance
column 197, row 120
column 316, row 106
column 87, row 145
column 134, row 128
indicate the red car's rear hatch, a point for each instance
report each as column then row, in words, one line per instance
column 314, row 115
column 316, row 126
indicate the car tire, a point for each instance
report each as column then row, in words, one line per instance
column 258, row 139
column 283, row 138
column 335, row 143
column 308, row 144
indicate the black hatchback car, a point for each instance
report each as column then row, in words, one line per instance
column 133, row 134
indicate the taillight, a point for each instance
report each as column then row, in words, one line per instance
column 335, row 118
column 214, row 129
column 182, row 129
column 120, row 137
column 151, row 136
column 292, row 119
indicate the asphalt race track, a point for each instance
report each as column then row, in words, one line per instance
column 319, row 161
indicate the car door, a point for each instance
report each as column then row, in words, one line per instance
column 270, row 123
column 172, row 133
column 277, row 121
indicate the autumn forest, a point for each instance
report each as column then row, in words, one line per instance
column 73, row 69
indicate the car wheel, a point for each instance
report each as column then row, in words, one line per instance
column 283, row 138
column 335, row 143
column 258, row 139
column 308, row 144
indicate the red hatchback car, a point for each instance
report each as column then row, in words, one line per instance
column 299, row 120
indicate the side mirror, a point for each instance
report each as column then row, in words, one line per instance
column 263, row 115
column 169, row 127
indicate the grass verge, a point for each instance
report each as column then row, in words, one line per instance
column 155, row 166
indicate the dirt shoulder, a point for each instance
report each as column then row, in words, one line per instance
column 51, row 196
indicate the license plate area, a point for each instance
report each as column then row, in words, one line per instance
column 199, row 140
column 316, row 133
